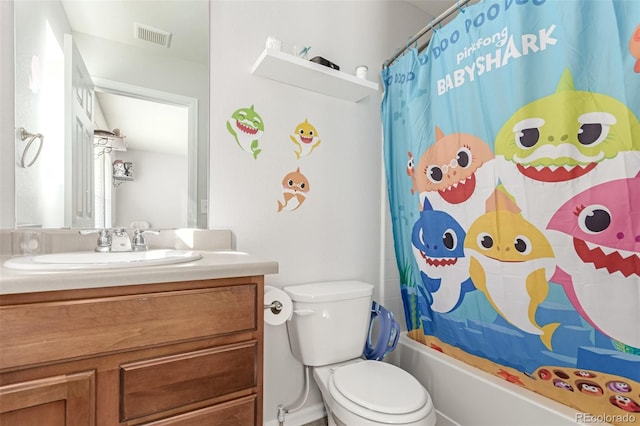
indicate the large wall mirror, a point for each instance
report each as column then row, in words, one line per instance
column 113, row 100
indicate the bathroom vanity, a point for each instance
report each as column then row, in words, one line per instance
column 159, row 345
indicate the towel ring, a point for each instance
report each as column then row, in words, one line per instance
column 24, row 135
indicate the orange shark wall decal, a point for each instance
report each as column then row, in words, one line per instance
column 295, row 187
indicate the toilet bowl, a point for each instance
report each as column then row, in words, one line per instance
column 328, row 331
column 371, row 393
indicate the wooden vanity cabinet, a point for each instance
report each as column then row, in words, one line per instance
column 181, row 353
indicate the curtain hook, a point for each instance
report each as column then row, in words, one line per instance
column 415, row 44
column 432, row 29
column 460, row 7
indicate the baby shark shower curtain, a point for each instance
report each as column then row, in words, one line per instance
column 512, row 155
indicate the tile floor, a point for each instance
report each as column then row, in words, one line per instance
column 320, row 422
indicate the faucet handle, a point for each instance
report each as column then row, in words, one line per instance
column 104, row 238
column 138, row 243
column 92, row 231
column 139, row 231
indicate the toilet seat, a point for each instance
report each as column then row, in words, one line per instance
column 380, row 392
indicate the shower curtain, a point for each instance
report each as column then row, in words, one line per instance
column 512, row 156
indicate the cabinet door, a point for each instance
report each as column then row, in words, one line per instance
column 67, row 400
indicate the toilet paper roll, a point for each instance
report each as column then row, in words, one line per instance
column 272, row 316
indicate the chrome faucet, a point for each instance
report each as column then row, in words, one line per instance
column 104, row 238
column 118, row 239
column 138, row 242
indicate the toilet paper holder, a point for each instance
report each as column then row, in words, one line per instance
column 280, row 305
column 275, row 306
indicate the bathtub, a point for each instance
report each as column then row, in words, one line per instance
column 467, row 396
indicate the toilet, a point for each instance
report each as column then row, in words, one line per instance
column 328, row 331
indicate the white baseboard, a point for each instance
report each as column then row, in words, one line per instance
column 301, row 417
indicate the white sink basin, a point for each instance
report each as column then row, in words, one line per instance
column 94, row 260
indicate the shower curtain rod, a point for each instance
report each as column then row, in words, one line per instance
column 444, row 15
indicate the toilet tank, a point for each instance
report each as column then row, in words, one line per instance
column 330, row 321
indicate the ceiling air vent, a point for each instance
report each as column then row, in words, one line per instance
column 152, row 35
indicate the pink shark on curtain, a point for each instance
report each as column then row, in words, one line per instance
column 598, row 245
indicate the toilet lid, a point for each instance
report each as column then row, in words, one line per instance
column 380, row 387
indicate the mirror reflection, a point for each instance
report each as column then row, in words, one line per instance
column 119, row 92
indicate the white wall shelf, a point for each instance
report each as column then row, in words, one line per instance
column 289, row 69
column 104, row 142
column 119, row 180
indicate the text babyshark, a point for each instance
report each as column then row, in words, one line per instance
column 529, row 43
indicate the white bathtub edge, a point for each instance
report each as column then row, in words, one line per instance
column 465, row 395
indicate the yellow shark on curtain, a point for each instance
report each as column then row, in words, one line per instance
column 306, row 138
column 511, row 262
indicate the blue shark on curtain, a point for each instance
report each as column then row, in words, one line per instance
column 512, row 156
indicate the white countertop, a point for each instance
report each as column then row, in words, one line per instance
column 214, row 264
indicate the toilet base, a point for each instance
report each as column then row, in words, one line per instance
column 333, row 419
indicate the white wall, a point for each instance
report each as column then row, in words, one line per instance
column 159, row 183
column 336, row 234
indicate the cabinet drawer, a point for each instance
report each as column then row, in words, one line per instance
column 160, row 384
column 239, row 412
column 44, row 332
